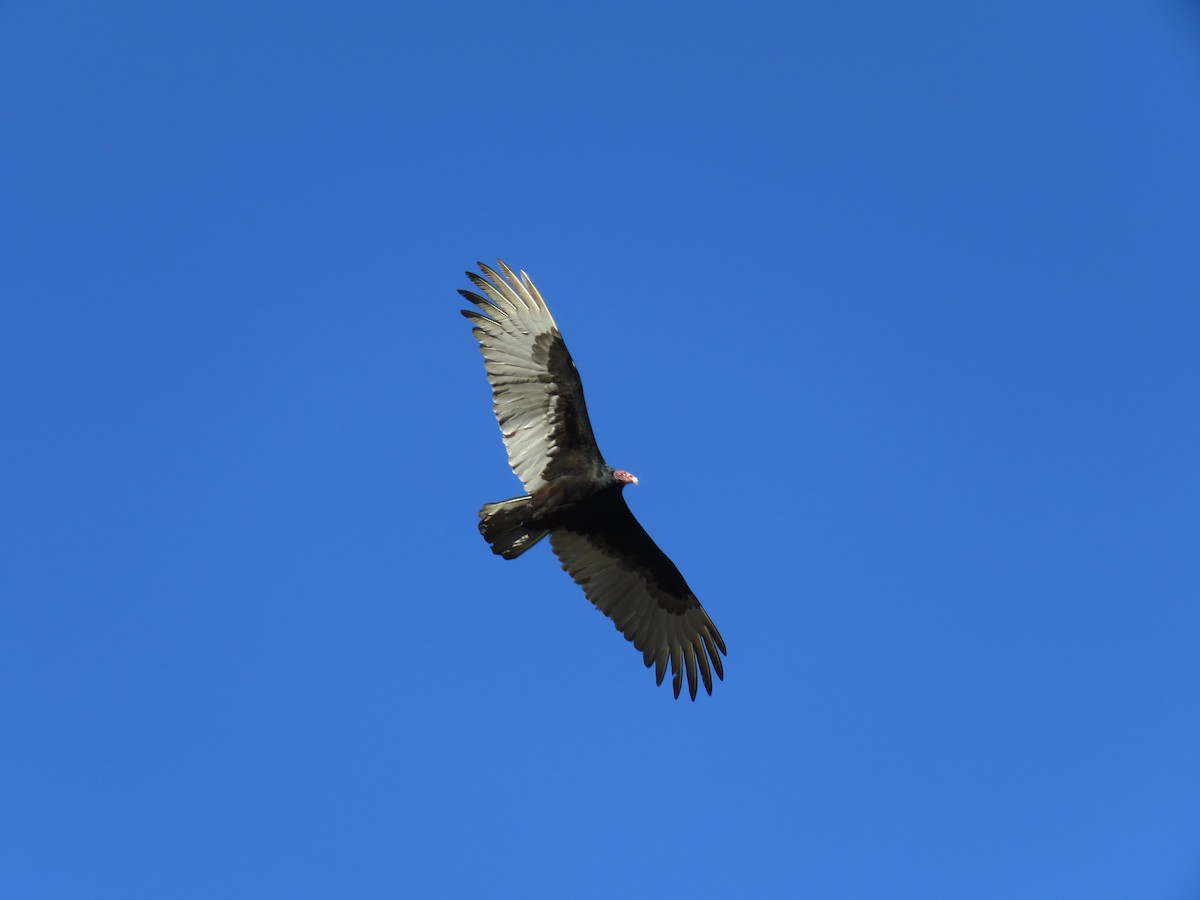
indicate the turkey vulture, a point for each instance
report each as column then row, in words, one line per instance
column 573, row 494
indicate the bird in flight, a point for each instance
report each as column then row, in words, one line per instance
column 573, row 495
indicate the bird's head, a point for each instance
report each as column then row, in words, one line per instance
column 624, row 477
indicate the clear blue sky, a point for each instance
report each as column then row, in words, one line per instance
column 893, row 308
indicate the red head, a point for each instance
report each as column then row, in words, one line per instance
column 624, row 477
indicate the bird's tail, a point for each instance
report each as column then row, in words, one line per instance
column 503, row 525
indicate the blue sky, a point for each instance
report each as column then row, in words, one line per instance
column 893, row 308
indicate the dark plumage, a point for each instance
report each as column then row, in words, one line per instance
column 573, row 494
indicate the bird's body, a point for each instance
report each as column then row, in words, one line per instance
column 574, row 496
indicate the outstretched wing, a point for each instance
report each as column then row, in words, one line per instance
column 629, row 579
column 536, row 391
